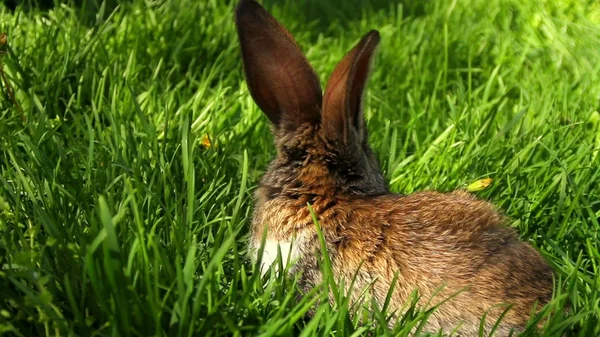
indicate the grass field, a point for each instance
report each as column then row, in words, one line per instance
column 130, row 148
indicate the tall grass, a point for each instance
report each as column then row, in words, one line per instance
column 130, row 148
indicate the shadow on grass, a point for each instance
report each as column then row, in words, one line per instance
column 89, row 8
column 344, row 11
column 321, row 13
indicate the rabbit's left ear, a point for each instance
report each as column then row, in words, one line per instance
column 280, row 79
column 342, row 116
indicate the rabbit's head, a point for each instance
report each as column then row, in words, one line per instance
column 322, row 141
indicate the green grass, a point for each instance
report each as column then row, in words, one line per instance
column 116, row 219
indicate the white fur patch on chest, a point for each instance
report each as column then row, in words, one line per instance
column 271, row 251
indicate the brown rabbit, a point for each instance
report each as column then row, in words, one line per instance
column 429, row 240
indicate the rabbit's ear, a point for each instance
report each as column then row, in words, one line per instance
column 342, row 104
column 280, row 79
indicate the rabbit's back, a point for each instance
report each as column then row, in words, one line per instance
column 429, row 239
column 452, row 240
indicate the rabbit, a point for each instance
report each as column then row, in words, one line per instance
column 451, row 245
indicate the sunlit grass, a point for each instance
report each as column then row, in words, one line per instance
column 130, row 148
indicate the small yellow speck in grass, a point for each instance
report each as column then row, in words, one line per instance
column 206, row 142
column 594, row 118
column 480, row 185
column 3, row 39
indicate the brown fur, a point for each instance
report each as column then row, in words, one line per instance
column 429, row 239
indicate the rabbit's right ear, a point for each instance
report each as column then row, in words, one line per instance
column 280, row 79
column 342, row 106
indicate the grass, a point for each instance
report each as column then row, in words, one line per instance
column 130, row 148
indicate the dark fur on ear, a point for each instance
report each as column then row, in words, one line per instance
column 280, row 79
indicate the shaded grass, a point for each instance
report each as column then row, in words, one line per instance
column 126, row 192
